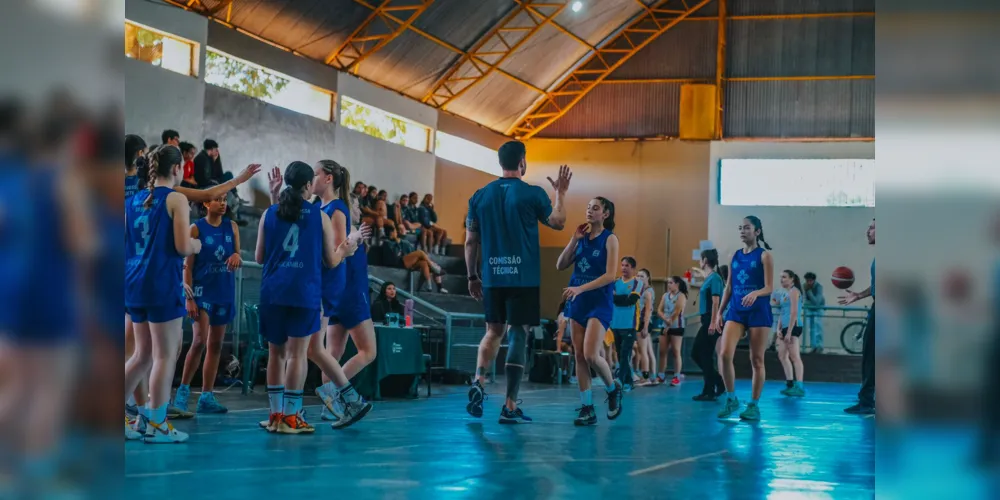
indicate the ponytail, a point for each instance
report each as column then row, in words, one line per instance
column 755, row 221
column 681, row 285
column 297, row 176
column 796, row 282
column 609, row 222
column 160, row 164
column 711, row 256
column 133, row 145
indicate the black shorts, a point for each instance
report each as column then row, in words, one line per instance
column 675, row 332
column 513, row 305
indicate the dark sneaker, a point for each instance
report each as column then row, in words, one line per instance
column 705, row 397
column 588, row 416
column 477, row 395
column 732, row 406
column 353, row 411
column 860, row 409
column 513, row 417
column 615, row 401
column 752, row 413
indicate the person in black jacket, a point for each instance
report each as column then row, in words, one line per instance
column 386, row 303
column 208, row 165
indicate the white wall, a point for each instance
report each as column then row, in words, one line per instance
column 816, row 239
column 155, row 98
column 392, row 167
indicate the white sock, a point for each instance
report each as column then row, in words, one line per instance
column 587, row 397
column 131, row 400
column 276, row 398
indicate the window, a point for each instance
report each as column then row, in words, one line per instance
column 370, row 120
column 160, row 49
column 797, row 183
column 467, row 153
column 255, row 81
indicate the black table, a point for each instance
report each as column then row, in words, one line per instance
column 399, row 351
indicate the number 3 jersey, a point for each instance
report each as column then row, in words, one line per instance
column 213, row 283
column 153, row 268
column 293, row 258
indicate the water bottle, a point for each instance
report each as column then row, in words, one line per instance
column 408, row 308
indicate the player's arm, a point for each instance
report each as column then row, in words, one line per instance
column 180, row 212
column 793, row 295
column 473, row 244
column 568, row 255
column 727, row 293
column 661, row 310
column 258, row 253
column 679, row 306
column 189, row 261
column 611, row 274
column 207, row 195
column 556, row 217
column 768, row 262
column 647, row 304
column 333, row 254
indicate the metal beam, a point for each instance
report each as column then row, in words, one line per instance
column 776, row 17
column 381, row 27
column 491, row 50
column 595, row 67
column 737, row 79
column 720, row 70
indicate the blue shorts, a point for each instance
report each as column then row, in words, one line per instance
column 593, row 304
column 758, row 315
column 218, row 314
column 351, row 310
column 157, row 314
column 279, row 323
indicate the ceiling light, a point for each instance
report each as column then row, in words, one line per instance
column 577, row 6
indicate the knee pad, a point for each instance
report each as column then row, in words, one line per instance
column 517, row 344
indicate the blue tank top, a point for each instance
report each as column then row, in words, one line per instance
column 110, row 288
column 748, row 275
column 785, row 305
column 213, row 283
column 293, row 258
column 131, row 185
column 335, row 279
column 356, row 268
column 591, row 262
column 153, row 268
column 17, row 224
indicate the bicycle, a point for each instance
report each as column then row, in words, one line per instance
column 852, row 337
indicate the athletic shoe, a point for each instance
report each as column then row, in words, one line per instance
column 327, row 397
column 139, row 424
column 615, row 401
column 784, row 392
column 174, row 413
column 513, row 417
column 131, row 411
column 675, row 382
column 353, row 412
column 271, row 424
column 207, row 404
column 163, row 434
column 860, row 409
column 181, row 399
column 293, row 424
column 705, row 397
column 130, row 433
column 732, row 406
column 660, row 380
column 795, row 392
column 477, row 396
column 587, row 416
column 326, row 416
column 752, row 413
column 627, row 388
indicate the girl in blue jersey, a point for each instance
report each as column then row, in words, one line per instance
column 135, row 151
column 790, row 332
column 210, row 275
column 594, row 255
column 156, row 242
column 294, row 241
column 749, row 285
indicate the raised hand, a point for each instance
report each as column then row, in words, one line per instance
column 561, row 183
column 248, row 173
column 274, row 182
column 848, row 299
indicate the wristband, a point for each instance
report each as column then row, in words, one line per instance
column 473, row 277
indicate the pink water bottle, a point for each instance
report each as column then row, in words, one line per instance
column 408, row 307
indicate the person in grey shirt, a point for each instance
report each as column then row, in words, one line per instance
column 814, row 319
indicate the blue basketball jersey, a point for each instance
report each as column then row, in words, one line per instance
column 213, row 283
column 110, row 288
column 591, row 262
column 17, row 223
column 131, row 185
column 356, row 266
column 748, row 276
column 335, row 279
column 293, row 258
column 153, row 268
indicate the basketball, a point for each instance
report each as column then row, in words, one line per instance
column 843, row 277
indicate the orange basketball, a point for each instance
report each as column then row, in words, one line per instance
column 843, row 277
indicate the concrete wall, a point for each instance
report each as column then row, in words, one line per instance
column 157, row 99
column 816, row 239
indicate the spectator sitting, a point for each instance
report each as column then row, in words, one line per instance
column 433, row 236
column 189, row 151
column 208, row 165
column 400, row 254
column 386, row 303
column 395, row 215
column 410, row 212
column 360, row 189
column 171, row 137
column 374, row 212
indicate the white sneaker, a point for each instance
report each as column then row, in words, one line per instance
column 327, row 397
column 163, row 434
column 130, row 433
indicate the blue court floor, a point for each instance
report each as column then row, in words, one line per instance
column 663, row 446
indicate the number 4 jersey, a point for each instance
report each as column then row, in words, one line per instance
column 153, row 268
column 293, row 258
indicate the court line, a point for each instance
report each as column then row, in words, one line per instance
column 673, row 463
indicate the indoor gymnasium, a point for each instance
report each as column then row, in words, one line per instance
column 500, row 248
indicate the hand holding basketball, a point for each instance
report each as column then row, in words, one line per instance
column 848, row 299
column 581, row 231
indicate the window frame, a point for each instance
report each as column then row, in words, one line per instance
column 428, row 146
column 195, row 48
column 867, row 201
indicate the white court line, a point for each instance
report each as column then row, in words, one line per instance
column 673, row 463
column 159, row 474
column 394, row 448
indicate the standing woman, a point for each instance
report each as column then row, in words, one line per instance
column 647, row 362
column 135, row 148
column 790, row 333
column 211, row 276
column 751, row 281
column 703, row 350
column 594, row 255
column 157, row 238
column 295, row 239
column 433, row 234
column 672, row 307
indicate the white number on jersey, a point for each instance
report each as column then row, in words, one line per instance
column 142, row 224
column 291, row 244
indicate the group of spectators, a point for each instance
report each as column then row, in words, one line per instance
column 407, row 214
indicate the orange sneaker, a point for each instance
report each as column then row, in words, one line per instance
column 294, row 424
column 271, row 424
